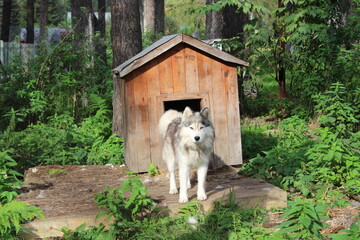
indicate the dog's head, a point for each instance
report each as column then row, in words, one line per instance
column 197, row 125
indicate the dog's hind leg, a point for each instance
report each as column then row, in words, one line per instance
column 171, row 169
column 201, row 176
column 169, row 158
column 188, row 184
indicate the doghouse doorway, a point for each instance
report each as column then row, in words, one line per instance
column 178, row 101
column 180, row 105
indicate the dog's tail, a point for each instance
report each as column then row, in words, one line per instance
column 166, row 119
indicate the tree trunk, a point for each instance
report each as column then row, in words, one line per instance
column 30, row 21
column 226, row 23
column 148, row 15
column 6, row 21
column 159, row 16
column 43, row 19
column 233, row 22
column 126, row 42
column 281, row 68
column 214, row 22
column 100, row 46
column 82, row 18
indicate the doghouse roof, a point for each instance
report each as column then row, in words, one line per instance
column 168, row 42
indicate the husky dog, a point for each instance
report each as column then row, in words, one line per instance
column 188, row 142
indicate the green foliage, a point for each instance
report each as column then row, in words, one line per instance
column 348, row 234
column 335, row 160
column 9, row 178
column 59, row 80
column 14, row 213
column 255, row 141
column 62, row 141
column 127, row 212
column 179, row 17
column 153, row 171
column 109, row 151
column 304, row 219
column 305, row 160
column 56, row 171
column 335, row 111
column 279, row 164
column 149, row 38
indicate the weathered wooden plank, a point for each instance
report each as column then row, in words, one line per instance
column 141, row 110
column 233, row 115
column 204, row 76
column 204, row 72
column 153, row 85
column 191, row 74
column 165, row 74
column 178, row 71
column 130, row 151
column 219, row 110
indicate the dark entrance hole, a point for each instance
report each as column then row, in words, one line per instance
column 180, row 105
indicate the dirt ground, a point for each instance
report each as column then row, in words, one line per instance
column 69, row 190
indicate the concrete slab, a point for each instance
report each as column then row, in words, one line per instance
column 249, row 193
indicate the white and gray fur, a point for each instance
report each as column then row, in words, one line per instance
column 188, row 142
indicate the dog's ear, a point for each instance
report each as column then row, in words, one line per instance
column 205, row 113
column 187, row 113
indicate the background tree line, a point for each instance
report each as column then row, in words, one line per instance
column 303, row 47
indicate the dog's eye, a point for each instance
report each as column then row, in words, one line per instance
column 201, row 127
column 191, row 128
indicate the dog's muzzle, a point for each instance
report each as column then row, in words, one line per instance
column 197, row 138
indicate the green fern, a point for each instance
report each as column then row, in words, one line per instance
column 13, row 214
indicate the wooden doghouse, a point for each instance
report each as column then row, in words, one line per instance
column 174, row 72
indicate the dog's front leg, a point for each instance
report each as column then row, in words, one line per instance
column 184, row 172
column 173, row 189
column 201, row 175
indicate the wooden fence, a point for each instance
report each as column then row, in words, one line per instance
column 10, row 49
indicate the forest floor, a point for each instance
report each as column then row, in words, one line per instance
column 69, row 190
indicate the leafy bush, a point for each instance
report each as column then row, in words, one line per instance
column 255, row 140
column 352, row 233
column 302, row 158
column 57, row 81
column 278, row 164
column 12, row 214
column 128, row 213
column 335, row 111
column 335, row 161
column 304, row 219
column 106, row 151
column 9, row 178
column 62, row 141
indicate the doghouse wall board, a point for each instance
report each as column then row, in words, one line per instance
column 179, row 74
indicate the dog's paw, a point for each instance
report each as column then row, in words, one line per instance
column 173, row 191
column 201, row 197
column 183, row 200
